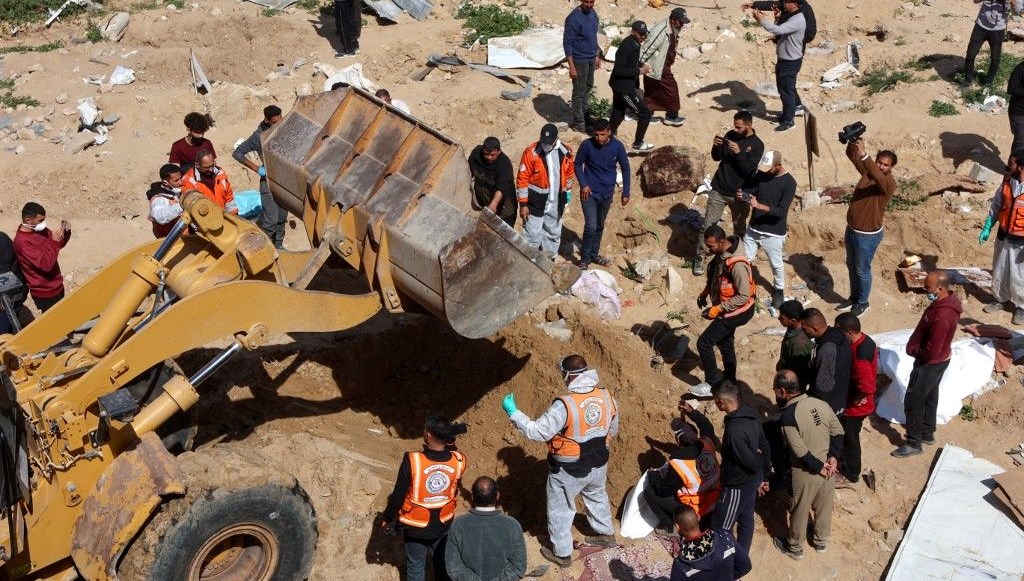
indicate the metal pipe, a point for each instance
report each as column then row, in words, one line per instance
column 171, row 238
column 166, row 305
column 215, row 364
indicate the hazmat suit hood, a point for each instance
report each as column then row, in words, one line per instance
column 584, row 382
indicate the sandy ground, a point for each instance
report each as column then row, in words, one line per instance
column 339, row 411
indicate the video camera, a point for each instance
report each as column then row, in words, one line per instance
column 766, row 5
column 852, row 132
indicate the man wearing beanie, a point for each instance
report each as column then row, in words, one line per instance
column 542, row 186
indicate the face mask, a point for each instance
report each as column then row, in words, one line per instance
column 176, row 190
column 38, row 227
column 547, row 147
column 933, row 296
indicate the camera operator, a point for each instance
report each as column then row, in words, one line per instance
column 739, row 151
column 789, row 28
column 864, row 218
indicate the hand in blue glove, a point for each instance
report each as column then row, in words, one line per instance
column 262, row 171
column 509, row 404
column 986, row 230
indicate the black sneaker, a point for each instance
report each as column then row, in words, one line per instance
column 783, row 545
column 929, row 440
column 778, row 297
column 906, row 450
column 844, row 306
column 784, row 126
column 698, row 267
column 563, row 562
column 860, row 308
column 820, row 546
column 601, row 541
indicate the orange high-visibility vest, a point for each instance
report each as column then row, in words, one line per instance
column 727, row 289
column 435, row 485
column 700, row 477
column 533, row 172
column 1011, row 215
column 590, row 416
column 222, row 195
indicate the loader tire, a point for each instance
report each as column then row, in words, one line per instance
column 227, row 529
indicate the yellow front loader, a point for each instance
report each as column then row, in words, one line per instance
column 91, row 402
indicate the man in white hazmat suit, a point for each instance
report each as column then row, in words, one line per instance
column 576, row 428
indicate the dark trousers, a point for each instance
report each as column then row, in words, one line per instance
column 44, row 304
column 273, row 217
column 980, row 36
column 665, row 507
column 348, row 21
column 416, row 558
column 850, row 464
column 785, row 80
column 921, row 401
column 736, row 506
column 720, row 333
column 1017, row 130
column 582, row 86
column 594, row 213
column 632, row 99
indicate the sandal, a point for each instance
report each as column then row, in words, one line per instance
column 603, row 261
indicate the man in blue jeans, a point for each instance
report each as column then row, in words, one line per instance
column 595, row 171
column 789, row 29
column 864, row 219
column 579, row 41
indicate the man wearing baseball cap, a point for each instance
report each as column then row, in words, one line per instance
column 661, row 92
column 542, row 187
column 773, row 193
column 625, row 84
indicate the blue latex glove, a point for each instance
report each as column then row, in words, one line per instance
column 262, row 171
column 509, row 404
column 986, row 230
column 568, row 196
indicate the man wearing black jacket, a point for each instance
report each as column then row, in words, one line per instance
column 739, row 153
column 494, row 183
column 772, row 196
column 831, row 362
column 625, row 84
column 1015, row 89
column 746, row 464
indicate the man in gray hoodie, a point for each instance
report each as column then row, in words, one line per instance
column 789, row 29
column 272, row 220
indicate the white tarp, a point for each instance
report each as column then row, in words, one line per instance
column 638, row 520
column 968, row 372
column 539, row 48
column 956, row 532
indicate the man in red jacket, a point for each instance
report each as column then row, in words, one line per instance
column 931, row 347
column 37, row 247
column 860, row 400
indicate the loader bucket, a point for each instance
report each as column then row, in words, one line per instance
column 411, row 183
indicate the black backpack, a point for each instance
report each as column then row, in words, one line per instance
column 812, row 23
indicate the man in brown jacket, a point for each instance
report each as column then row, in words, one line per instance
column 730, row 288
column 864, row 229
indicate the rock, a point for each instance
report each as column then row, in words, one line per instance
column 612, row 32
column 304, row 90
column 111, row 118
column 6, row 121
column 689, row 53
column 840, row 106
column 707, row 47
column 115, row 27
column 36, row 68
column 951, row 37
column 216, row 12
column 893, row 536
column 811, row 199
column 675, row 281
column 724, row 35
column 647, row 267
column 68, row 111
column 26, row 134
column 557, row 329
column 983, row 175
column 61, row 98
column 19, row 150
column 551, row 313
column 671, row 169
column 822, row 49
column 79, row 142
column 766, row 89
column 879, row 523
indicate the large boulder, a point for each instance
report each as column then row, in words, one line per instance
column 671, row 169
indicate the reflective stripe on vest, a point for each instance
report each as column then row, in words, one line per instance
column 589, row 416
column 701, row 487
column 1011, row 214
column 727, row 290
column 435, row 485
